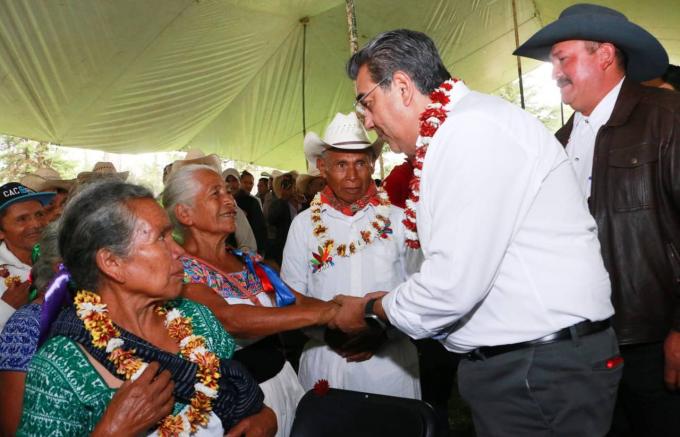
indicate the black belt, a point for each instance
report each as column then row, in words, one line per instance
column 572, row 332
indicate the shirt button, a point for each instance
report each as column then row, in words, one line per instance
column 577, row 159
column 634, row 161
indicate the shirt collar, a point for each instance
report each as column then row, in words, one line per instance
column 8, row 258
column 602, row 111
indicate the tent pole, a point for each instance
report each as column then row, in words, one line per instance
column 352, row 26
column 519, row 59
column 304, row 21
column 353, row 48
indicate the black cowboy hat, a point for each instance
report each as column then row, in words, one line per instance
column 647, row 59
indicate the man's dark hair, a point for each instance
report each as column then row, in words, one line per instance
column 409, row 51
column 265, row 180
column 672, row 76
column 98, row 217
column 245, row 173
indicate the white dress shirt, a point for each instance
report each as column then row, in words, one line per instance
column 511, row 251
column 581, row 145
column 16, row 268
column 393, row 370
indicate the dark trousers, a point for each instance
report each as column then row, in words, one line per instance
column 644, row 407
column 437, row 370
column 558, row 389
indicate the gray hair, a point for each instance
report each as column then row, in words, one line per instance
column 182, row 188
column 401, row 50
column 97, row 218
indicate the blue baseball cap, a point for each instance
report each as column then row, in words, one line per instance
column 14, row 192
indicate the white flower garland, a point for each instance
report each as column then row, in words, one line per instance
column 366, row 236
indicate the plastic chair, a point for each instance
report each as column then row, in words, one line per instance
column 344, row 413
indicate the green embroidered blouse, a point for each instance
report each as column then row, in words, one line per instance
column 65, row 396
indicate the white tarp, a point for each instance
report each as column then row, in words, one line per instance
column 226, row 75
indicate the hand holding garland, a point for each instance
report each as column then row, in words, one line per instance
column 138, row 405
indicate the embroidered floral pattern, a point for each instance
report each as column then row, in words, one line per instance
column 241, row 285
column 379, row 228
column 323, row 258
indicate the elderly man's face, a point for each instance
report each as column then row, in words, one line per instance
column 153, row 266
column 22, row 225
column 347, row 172
column 386, row 113
column 578, row 75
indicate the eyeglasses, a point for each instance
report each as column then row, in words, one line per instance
column 359, row 105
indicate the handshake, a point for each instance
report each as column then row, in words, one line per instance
column 348, row 332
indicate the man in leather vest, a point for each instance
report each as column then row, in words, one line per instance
column 624, row 143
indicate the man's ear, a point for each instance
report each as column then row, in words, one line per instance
column 404, row 86
column 606, row 55
column 110, row 265
column 321, row 166
column 184, row 214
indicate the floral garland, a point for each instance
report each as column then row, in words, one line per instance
column 10, row 280
column 431, row 118
column 379, row 228
column 105, row 335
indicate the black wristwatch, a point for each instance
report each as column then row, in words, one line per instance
column 371, row 318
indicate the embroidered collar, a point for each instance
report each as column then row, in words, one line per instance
column 329, row 198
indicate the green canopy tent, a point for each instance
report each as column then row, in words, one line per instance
column 226, row 75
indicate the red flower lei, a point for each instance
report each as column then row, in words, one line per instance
column 431, row 118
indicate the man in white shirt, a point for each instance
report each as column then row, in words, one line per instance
column 625, row 146
column 350, row 238
column 512, row 276
column 22, row 219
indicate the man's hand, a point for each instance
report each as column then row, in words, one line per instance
column 357, row 347
column 16, row 294
column 671, row 348
column 262, row 424
column 138, row 405
column 350, row 316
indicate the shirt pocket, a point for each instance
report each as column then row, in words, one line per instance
column 633, row 172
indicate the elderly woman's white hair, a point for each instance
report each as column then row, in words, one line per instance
column 181, row 188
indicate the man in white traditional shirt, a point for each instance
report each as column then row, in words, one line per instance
column 22, row 219
column 350, row 239
column 512, row 277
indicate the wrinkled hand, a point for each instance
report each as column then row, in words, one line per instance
column 16, row 294
column 262, row 424
column 138, row 405
column 350, row 315
column 326, row 310
column 671, row 348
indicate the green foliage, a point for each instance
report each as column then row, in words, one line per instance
column 19, row 156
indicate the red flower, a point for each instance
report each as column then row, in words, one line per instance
column 438, row 96
column 321, row 387
column 427, row 130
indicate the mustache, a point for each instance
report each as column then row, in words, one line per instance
column 563, row 81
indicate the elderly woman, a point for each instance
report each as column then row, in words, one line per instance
column 235, row 286
column 127, row 355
